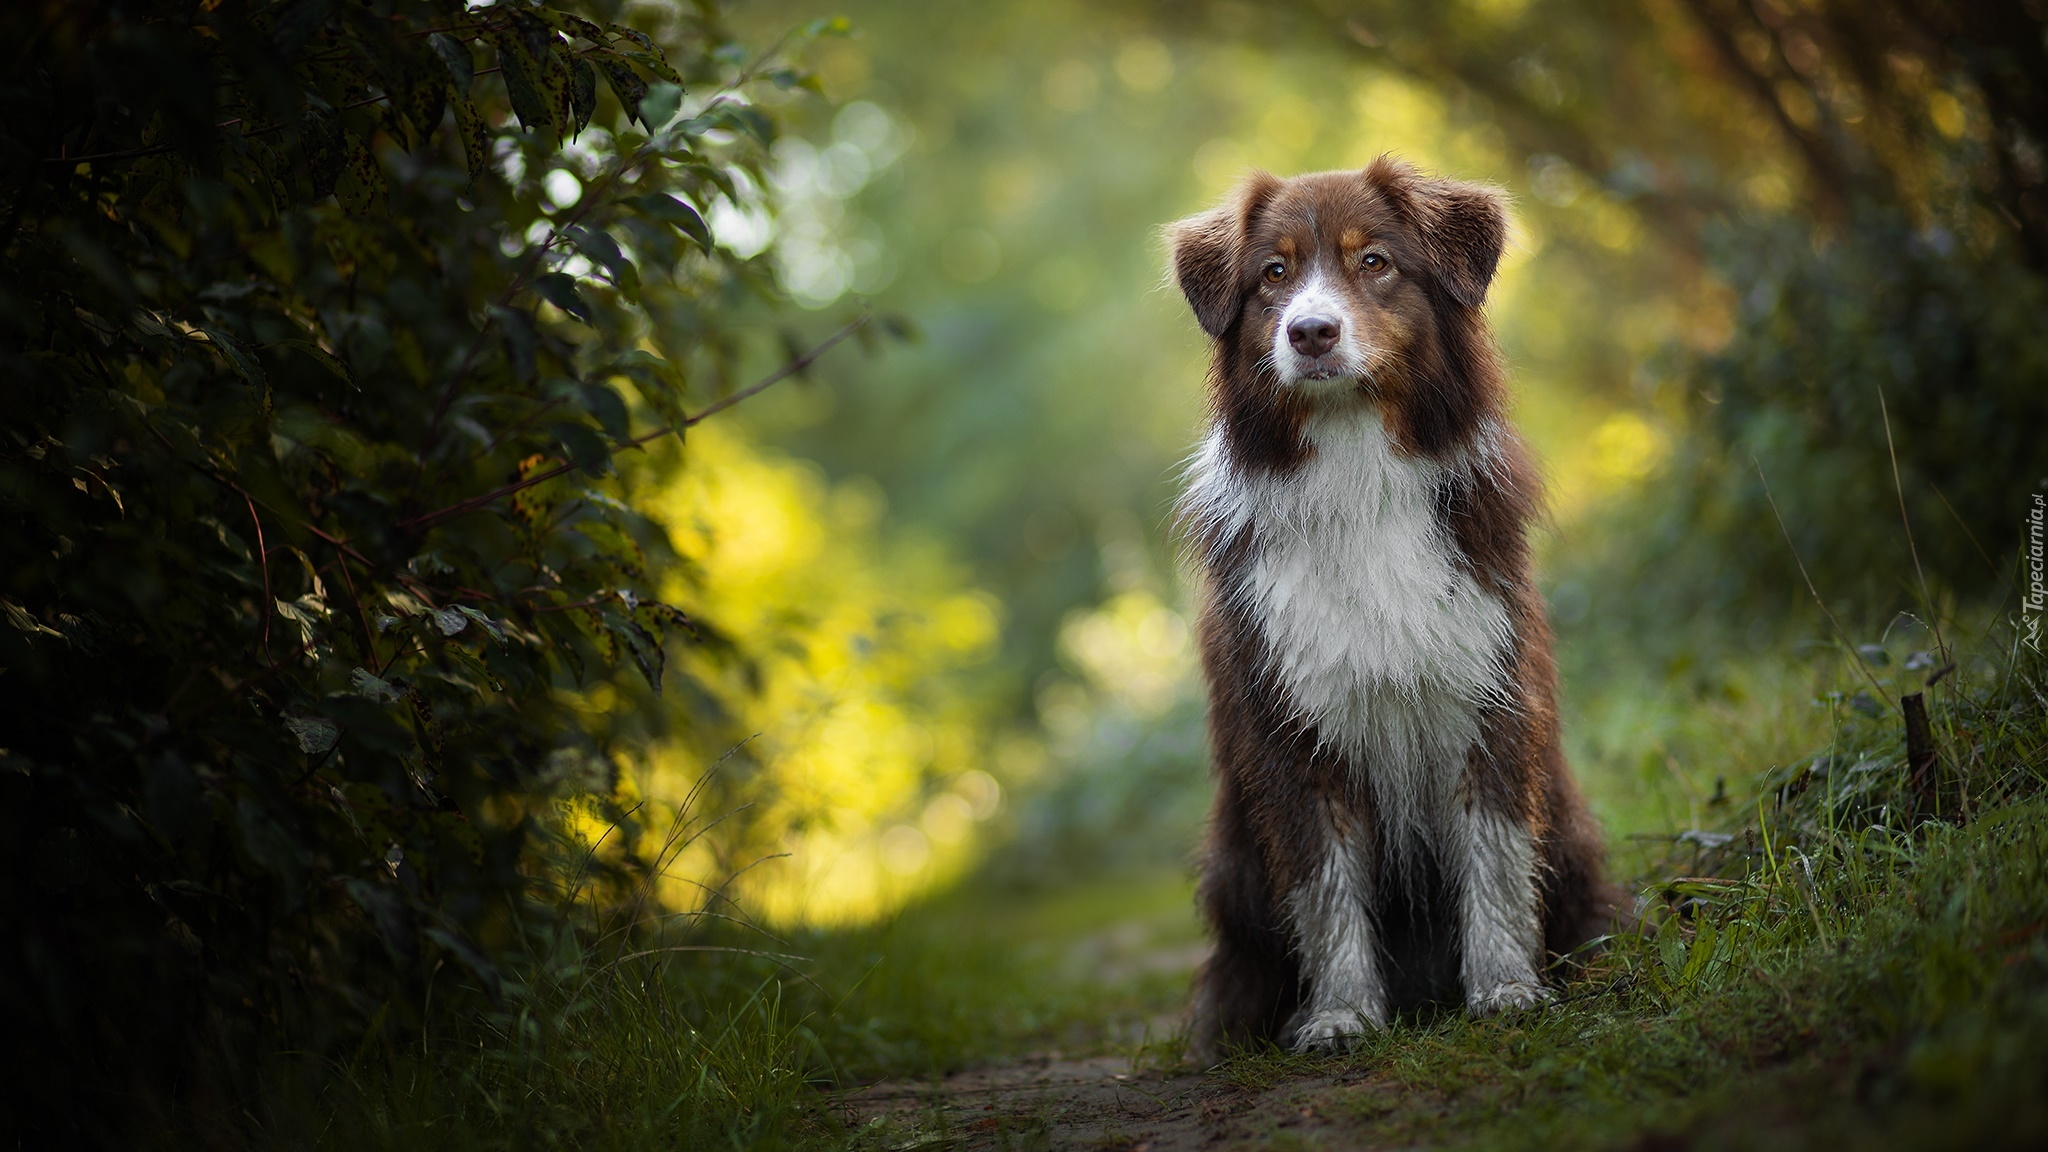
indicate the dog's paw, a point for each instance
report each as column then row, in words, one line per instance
column 1508, row 996
column 1332, row 1030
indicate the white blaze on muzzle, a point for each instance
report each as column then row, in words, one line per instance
column 1317, row 301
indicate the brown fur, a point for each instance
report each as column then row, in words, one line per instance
column 1279, row 787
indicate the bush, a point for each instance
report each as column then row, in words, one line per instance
column 1882, row 340
column 322, row 322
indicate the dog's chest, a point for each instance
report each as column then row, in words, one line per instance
column 1372, row 629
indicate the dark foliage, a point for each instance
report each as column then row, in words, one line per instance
column 1888, row 341
column 310, row 388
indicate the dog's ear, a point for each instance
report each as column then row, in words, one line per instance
column 1462, row 225
column 1208, row 254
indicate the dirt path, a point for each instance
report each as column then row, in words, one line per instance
column 1114, row 1102
column 1104, row 1103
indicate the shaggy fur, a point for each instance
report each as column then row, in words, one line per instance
column 1394, row 823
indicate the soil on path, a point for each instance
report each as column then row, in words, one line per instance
column 1105, row 1103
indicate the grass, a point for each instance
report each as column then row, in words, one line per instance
column 731, row 1049
column 1835, row 972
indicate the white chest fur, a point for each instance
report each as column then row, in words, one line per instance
column 1375, row 634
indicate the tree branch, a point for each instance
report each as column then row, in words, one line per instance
column 428, row 519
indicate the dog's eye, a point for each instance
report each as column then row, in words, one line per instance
column 1374, row 262
column 1276, row 272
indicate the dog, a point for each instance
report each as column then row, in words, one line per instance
column 1394, row 824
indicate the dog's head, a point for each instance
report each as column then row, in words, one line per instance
column 1340, row 281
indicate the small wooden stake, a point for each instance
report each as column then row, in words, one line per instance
column 1920, row 756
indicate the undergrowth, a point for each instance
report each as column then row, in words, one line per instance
column 633, row 1030
column 1845, row 961
column 1841, row 959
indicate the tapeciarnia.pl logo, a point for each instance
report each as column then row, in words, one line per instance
column 2037, row 575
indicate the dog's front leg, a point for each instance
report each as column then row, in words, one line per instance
column 1494, row 858
column 1334, row 935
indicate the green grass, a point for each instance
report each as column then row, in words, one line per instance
column 981, row 974
column 1836, row 973
column 1917, row 1018
column 729, row 1047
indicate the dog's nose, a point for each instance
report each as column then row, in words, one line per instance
column 1312, row 335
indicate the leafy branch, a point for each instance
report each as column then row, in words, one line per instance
column 793, row 367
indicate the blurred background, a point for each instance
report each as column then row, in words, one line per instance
column 1774, row 254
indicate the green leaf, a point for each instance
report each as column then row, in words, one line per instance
column 659, row 106
column 476, row 137
column 305, row 613
column 455, row 57
column 448, row 620
column 577, row 26
column 599, row 246
column 489, row 625
column 582, row 92
column 604, row 402
column 1699, row 954
column 639, row 643
column 150, row 324
column 426, row 100
column 238, row 357
column 637, row 362
column 625, row 84
column 749, row 120
column 364, row 682
column 323, row 149
column 515, row 328
column 22, row 619
column 657, row 64
column 559, row 289
column 521, row 74
column 791, row 78
column 316, row 734
column 557, row 83
column 324, row 358
column 361, row 187
column 633, row 34
column 715, row 176
column 669, row 210
column 587, row 450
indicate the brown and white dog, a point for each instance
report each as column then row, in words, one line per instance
column 1394, row 823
